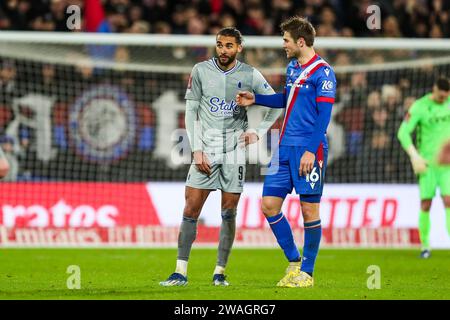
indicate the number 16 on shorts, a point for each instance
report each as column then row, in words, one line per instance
column 313, row 177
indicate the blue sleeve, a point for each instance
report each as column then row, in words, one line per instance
column 276, row 100
column 325, row 95
column 320, row 126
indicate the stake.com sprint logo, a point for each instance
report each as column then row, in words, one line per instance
column 221, row 108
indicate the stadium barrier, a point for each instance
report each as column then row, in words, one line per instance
column 148, row 215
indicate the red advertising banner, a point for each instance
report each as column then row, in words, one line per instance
column 76, row 205
column 136, row 214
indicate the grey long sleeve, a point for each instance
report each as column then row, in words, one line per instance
column 260, row 86
column 269, row 119
column 193, row 126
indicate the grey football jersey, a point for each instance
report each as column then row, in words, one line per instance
column 221, row 119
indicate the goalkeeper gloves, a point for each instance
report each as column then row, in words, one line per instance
column 419, row 164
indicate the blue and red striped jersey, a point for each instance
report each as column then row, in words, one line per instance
column 306, row 87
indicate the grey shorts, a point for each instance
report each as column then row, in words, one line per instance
column 227, row 172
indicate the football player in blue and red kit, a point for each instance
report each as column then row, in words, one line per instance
column 301, row 160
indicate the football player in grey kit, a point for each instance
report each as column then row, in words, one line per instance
column 218, row 133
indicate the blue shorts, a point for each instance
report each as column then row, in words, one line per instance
column 283, row 174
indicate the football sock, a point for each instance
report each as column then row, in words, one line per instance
column 219, row 270
column 424, row 229
column 186, row 236
column 313, row 234
column 226, row 238
column 181, row 267
column 282, row 231
column 447, row 214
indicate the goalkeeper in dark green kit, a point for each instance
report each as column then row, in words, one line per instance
column 430, row 117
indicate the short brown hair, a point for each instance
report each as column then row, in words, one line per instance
column 231, row 32
column 299, row 27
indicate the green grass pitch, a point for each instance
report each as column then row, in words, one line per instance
column 253, row 273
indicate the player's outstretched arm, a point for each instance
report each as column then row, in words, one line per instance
column 260, row 87
column 245, row 99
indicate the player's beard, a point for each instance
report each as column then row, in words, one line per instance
column 293, row 54
column 225, row 61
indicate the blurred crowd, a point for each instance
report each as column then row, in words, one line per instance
column 27, row 86
column 369, row 108
column 400, row 18
column 363, row 145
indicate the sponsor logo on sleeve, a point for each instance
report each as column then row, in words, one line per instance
column 327, row 85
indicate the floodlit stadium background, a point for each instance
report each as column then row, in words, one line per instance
column 91, row 121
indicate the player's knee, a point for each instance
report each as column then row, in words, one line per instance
column 191, row 211
column 310, row 212
column 269, row 208
column 310, row 215
column 229, row 214
column 4, row 168
column 425, row 205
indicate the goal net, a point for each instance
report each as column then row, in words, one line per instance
column 87, row 118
